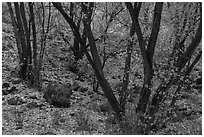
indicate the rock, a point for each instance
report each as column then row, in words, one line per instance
column 185, row 95
column 5, row 92
column 16, row 101
column 33, row 97
column 82, row 89
column 199, row 119
column 75, row 86
column 32, row 105
column 62, row 120
column 198, row 81
column 197, row 87
column 80, row 78
column 5, row 85
column 65, row 89
column 58, row 94
column 73, row 68
column 105, row 107
column 196, row 69
column 61, row 102
column 94, row 97
column 72, row 114
column 16, row 81
column 14, row 74
column 111, row 120
column 200, row 90
column 100, row 120
column 9, row 91
column 13, row 89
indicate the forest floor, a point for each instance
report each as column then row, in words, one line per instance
column 25, row 111
column 32, row 115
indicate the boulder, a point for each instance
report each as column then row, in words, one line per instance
column 33, row 105
column 13, row 74
column 16, row 81
column 105, row 108
column 16, row 101
column 58, row 94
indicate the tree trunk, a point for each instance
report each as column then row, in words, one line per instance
column 29, row 71
column 24, row 61
column 35, row 64
column 95, row 61
column 147, row 54
column 146, row 90
column 162, row 89
column 16, row 32
column 106, row 88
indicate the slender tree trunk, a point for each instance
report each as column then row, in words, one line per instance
column 123, row 94
column 162, row 89
column 147, row 54
column 43, row 43
column 16, row 32
column 29, row 71
column 24, row 61
column 105, row 87
column 187, row 72
column 36, row 69
column 96, row 64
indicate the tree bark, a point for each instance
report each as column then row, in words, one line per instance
column 29, row 71
column 24, row 61
column 16, row 32
column 34, row 44
column 95, row 61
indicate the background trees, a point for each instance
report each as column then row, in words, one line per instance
column 147, row 48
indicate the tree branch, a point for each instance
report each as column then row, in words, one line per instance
column 191, row 48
